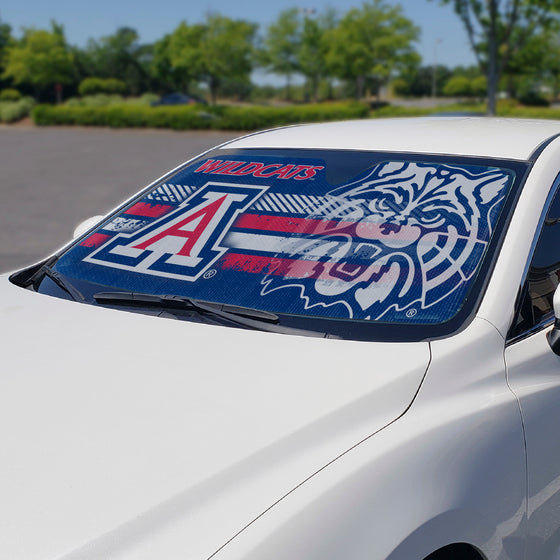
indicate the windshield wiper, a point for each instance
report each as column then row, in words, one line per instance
column 61, row 282
column 137, row 299
column 243, row 316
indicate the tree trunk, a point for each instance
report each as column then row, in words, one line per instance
column 510, row 86
column 315, row 89
column 492, row 60
column 360, row 83
column 58, row 91
column 214, row 83
column 492, row 87
column 330, row 89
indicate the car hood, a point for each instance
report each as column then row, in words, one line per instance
column 128, row 436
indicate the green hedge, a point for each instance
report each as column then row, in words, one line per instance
column 10, row 94
column 195, row 116
column 106, row 100
column 12, row 111
column 506, row 108
column 396, row 111
column 137, row 113
column 399, row 111
column 530, row 112
column 91, row 86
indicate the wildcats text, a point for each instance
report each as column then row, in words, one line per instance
column 258, row 169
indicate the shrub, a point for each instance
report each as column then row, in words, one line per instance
column 506, row 104
column 400, row 87
column 457, row 86
column 533, row 99
column 119, row 116
column 395, row 111
column 441, row 110
column 91, row 86
column 144, row 99
column 192, row 117
column 12, row 111
column 97, row 100
column 479, row 86
column 530, row 112
column 106, row 100
column 253, row 118
column 10, row 94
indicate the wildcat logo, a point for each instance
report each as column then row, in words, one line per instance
column 184, row 243
column 411, row 235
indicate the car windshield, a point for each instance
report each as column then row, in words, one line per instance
column 338, row 240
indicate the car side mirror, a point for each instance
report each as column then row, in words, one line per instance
column 554, row 335
column 84, row 226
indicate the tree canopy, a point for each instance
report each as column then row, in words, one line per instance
column 320, row 54
column 313, row 48
column 40, row 58
column 217, row 50
column 120, row 56
column 5, row 40
column 281, row 45
column 226, row 51
column 497, row 30
column 371, row 42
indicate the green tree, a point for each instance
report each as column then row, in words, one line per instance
column 178, row 56
column 226, row 51
column 41, row 58
column 417, row 81
column 166, row 68
column 313, row 48
column 463, row 86
column 479, row 86
column 123, row 57
column 370, row 43
column 94, row 86
column 538, row 63
column 497, row 30
column 457, row 86
column 550, row 61
column 281, row 46
column 5, row 41
column 218, row 50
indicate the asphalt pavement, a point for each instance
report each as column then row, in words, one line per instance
column 53, row 178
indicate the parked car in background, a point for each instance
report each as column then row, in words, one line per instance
column 178, row 99
column 321, row 342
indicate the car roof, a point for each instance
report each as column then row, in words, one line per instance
column 470, row 136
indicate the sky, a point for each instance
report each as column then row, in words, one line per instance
column 443, row 39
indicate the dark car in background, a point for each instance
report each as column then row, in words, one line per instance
column 178, row 99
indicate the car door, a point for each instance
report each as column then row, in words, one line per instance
column 533, row 371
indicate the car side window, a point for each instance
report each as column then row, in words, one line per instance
column 543, row 276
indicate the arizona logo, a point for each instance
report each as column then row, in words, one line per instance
column 187, row 241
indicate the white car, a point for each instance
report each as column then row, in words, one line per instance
column 322, row 342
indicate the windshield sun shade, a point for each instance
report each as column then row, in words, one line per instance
column 373, row 239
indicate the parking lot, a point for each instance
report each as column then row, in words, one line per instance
column 53, row 178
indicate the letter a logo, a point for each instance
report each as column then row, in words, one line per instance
column 185, row 242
